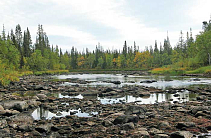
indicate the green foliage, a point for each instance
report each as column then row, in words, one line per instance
column 200, row 70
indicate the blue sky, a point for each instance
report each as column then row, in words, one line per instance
column 84, row 23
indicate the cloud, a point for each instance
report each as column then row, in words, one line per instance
column 110, row 22
column 200, row 11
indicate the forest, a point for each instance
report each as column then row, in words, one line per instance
column 19, row 55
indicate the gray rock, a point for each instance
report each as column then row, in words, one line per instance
column 181, row 134
column 41, row 96
column 25, row 128
column 44, row 128
column 143, row 94
column 135, row 110
column 16, row 105
column 185, row 124
column 154, row 131
column 163, row 124
column 126, row 119
column 161, row 136
column 3, row 124
column 142, row 134
column 107, row 123
column 195, row 109
column 128, row 126
column 1, row 107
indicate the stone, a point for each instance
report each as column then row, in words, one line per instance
column 154, row 131
column 41, row 96
column 181, row 134
column 135, row 110
column 25, row 128
column 107, row 123
column 185, row 125
column 144, row 94
column 16, row 105
column 142, row 134
column 43, row 128
column 161, row 136
column 128, row 126
column 126, row 119
column 1, row 107
column 163, row 124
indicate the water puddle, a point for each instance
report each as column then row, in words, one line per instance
column 151, row 99
column 67, row 96
column 41, row 113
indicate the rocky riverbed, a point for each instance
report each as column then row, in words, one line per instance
column 32, row 108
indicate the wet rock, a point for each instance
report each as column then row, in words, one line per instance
column 116, row 82
column 40, row 87
column 111, row 93
column 148, row 81
column 181, row 134
column 144, row 94
column 108, row 90
column 185, row 125
column 128, row 126
column 125, row 119
column 176, row 95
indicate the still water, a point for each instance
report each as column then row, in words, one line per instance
column 41, row 113
column 161, row 82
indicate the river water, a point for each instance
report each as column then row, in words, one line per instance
column 102, row 80
column 162, row 82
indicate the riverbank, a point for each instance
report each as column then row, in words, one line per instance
column 32, row 108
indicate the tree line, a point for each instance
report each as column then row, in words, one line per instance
column 17, row 52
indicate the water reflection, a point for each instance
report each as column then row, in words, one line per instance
column 41, row 113
column 153, row 98
column 163, row 82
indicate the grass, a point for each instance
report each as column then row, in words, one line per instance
column 200, row 70
column 168, row 71
column 50, row 72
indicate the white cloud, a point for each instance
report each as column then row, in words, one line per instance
column 200, row 11
column 82, row 38
column 114, row 14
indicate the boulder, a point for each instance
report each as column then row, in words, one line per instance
column 128, row 126
column 161, row 136
column 125, row 119
column 136, row 110
column 16, row 105
column 181, row 134
column 144, row 94
column 185, row 125
column 44, row 128
column 41, row 96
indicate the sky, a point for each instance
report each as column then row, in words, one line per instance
column 84, row 23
